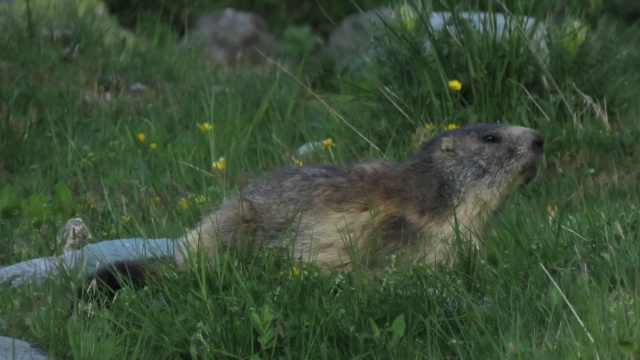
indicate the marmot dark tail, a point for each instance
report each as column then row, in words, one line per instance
column 106, row 281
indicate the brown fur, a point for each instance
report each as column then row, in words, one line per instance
column 337, row 214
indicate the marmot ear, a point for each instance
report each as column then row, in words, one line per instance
column 448, row 144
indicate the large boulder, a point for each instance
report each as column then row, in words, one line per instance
column 231, row 37
column 352, row 41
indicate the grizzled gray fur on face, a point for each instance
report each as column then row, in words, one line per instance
column 336, row 215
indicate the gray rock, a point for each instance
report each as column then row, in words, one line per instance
column 138, row 87
column 231, row 37
column 14, row 349
column 352, row 40
column 88, row 259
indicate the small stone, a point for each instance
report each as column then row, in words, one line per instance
column 138, row 87
column 309, row 147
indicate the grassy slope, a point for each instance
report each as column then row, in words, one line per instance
column 66, row 151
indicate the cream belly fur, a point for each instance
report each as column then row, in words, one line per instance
column 336, row 215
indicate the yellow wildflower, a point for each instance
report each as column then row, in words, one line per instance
column 126, row 218
column 141, row 137
column 430, row 126
column 153, row 146
column 297, row 162
column 221, row 164
column 200, row 199
column 551, row 209
column 93, row 205
column 184, row 203
column 205, row 127
column 451, row 126
column 157, row 200
column 294, row 272
column 327, row 143
column 455, row 85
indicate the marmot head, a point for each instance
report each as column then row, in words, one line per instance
column 483, row 157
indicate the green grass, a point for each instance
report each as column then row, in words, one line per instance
column 67, row 151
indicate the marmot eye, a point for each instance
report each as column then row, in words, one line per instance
column 491, row 138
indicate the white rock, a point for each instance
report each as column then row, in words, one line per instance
column 88, row 259
column 14, row 349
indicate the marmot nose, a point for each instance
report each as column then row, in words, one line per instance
column 537, row 143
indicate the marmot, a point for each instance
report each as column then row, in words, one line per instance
column 332, row 215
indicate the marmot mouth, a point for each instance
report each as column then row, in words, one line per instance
column 529, row 171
